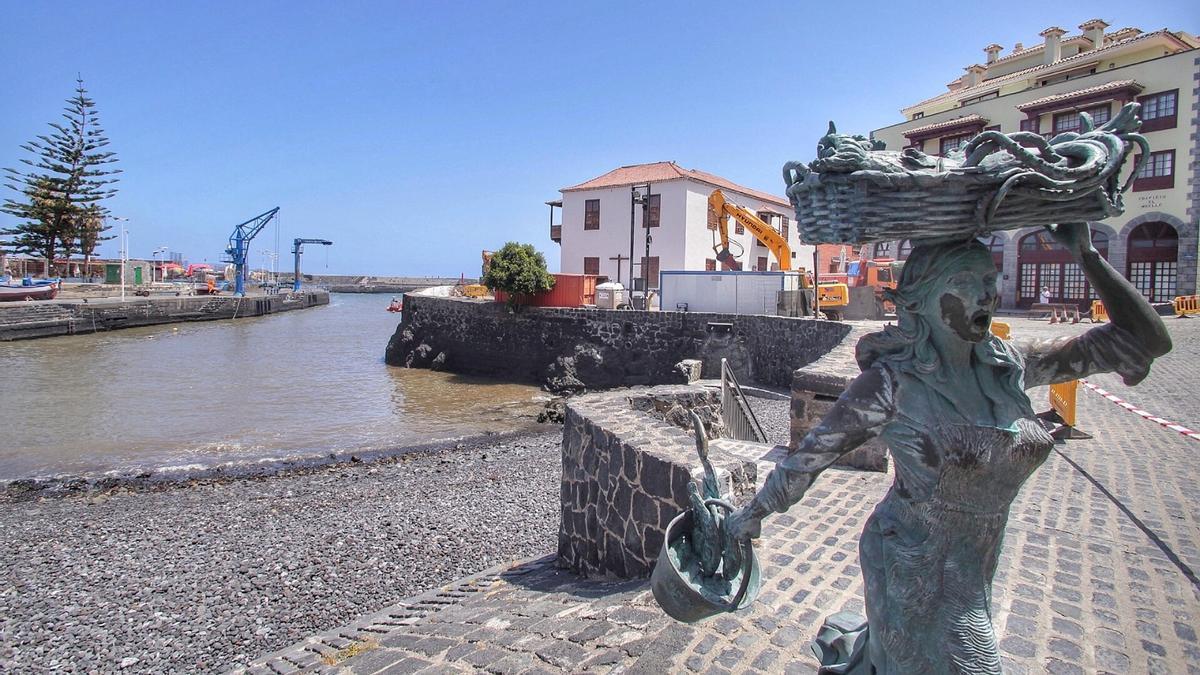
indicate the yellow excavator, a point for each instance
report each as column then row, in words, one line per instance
column 774, row 242
column 832, row 298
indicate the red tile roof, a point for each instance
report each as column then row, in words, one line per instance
column 1115, row 85
column 1081, row 57
column 968, row 120
column 658, row 172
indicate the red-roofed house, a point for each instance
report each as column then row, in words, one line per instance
column 1043, row 89
column 596, row 216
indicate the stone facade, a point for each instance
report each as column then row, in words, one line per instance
column 578, row 349
column 627, row 458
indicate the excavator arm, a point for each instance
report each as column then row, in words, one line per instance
column 774, row 242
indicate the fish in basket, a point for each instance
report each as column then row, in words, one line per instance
column 858, row 192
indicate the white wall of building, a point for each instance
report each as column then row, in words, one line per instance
column 681, row 242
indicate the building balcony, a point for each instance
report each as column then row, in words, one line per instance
column 556, row 233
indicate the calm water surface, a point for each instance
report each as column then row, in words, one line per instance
column 301, row 383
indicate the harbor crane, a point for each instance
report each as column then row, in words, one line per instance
column 239, row 246
column 297, row 249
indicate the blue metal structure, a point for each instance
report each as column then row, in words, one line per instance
column 297, row 249
column 239, row 246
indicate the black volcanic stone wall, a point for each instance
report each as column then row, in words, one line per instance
column 578, row 349
column 627, row 457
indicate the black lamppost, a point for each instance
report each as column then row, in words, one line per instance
column 640, row 194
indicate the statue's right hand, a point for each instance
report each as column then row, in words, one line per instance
column 741, row 525
column 737, row 529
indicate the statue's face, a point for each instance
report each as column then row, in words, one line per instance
column 967, row 298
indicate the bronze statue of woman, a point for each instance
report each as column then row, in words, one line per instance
column 949, row 400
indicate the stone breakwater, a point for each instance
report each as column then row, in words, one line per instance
column 206, row 576
column 25, row 320
column 578, row 349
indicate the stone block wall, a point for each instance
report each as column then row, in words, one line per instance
column 580, row 349
column 627, row 458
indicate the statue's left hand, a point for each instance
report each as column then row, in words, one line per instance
column 1075, row 237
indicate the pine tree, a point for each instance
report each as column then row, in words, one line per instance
column 61, row 191
column 92, row 227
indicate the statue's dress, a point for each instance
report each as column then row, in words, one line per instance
column 929, row 550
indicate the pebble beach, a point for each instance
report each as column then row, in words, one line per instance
column 205, row 576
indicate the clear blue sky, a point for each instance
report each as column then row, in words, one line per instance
column 413, row 134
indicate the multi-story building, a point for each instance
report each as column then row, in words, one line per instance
column 1043, row 89
column 600, row 218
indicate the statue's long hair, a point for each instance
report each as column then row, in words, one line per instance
column 906, row 346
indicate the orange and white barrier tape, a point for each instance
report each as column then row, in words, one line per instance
column 1142, row 413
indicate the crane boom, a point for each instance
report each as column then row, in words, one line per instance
column 239, row 246
column 297, row 249
column 774, row 241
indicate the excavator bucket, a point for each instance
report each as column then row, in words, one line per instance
column 728, row 261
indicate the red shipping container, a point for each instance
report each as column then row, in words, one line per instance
column 570, row 290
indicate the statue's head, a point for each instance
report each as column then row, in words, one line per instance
column 951, row 287
column 945, row 288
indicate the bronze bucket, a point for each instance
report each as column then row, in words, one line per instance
column 683, row 593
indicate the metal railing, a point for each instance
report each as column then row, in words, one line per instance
column 740, row 422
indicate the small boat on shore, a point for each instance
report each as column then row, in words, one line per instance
column 29, row 289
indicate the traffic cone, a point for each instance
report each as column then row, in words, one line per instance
column 1054, row 315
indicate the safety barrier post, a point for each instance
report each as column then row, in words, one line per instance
column 1062, row 400
column 1186, row 305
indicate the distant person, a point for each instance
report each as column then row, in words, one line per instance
column 1045, row 298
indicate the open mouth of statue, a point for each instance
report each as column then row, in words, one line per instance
column 981, row 320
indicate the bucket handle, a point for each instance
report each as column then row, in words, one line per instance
column 746, row 551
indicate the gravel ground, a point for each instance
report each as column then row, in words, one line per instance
column 207, row 576
column 773, row 417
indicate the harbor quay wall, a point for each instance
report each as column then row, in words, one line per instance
column 27, row 320
column 580, row 349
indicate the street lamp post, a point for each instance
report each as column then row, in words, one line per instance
column 161, row 250
column 640, row 194
column 124, row 252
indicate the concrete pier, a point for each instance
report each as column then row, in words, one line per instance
column 48, row 318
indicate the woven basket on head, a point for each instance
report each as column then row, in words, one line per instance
column 855, row 194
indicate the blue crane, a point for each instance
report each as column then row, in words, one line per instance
column 297, row 249
column 239, row 246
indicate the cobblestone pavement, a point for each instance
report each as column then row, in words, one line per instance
column 1097, row 575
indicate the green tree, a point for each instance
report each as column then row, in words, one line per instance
column 61, row 189
column 519, row 270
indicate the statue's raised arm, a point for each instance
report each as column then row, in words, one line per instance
column 1127, row 346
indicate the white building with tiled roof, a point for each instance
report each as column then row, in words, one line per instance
column 1043, row 89
column 600, row 219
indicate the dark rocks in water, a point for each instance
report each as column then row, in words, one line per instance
column 554, row 413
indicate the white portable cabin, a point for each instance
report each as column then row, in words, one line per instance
column 725, row 292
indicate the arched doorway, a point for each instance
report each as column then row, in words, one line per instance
column 1152, row 260
column 903, row 249
column 1043, row 263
